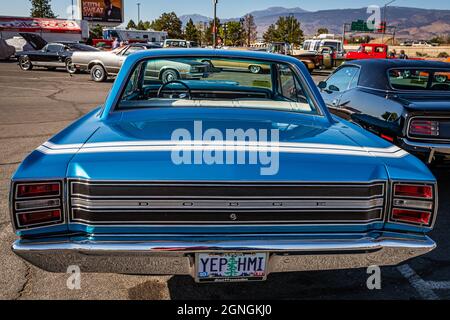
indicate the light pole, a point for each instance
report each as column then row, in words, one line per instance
column 139, row 12
column 72, row 11
column 214, row 23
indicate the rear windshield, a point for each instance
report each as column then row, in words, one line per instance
column 420, row 79
column 214, row 81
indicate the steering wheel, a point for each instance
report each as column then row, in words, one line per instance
column 161, row 89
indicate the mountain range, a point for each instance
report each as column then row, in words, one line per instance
column 414, row 23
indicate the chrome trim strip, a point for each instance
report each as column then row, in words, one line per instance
column 224, row 204
column 165, row 256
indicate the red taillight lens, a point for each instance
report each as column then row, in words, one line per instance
column 411, row 216
column 30, row 218
column 38, row 190
column 424, row 128
column 416, row 191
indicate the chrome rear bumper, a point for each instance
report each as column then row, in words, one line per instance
column 431, row 149
column 176, row 256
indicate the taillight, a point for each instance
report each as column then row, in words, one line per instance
column 420, row 127
column 414, row 191
column 37, row 204
column 38, row 190
column 413, row 203
column 421, row 217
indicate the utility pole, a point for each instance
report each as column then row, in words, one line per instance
column 385, row 19
column 72, row 11
column 139, row 12
column 214, row 24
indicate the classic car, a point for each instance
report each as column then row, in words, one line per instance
column 226, row 64
column 104, row 64
column 406, row 102
column 310, row 59
column 228, row 178
column 50, row 55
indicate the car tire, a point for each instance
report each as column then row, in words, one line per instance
column 98, row 73
column 255, row 69
column 70, row 67
column 25, row 63
column 169, row 75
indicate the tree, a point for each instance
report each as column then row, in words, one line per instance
column 131, row 24
column 208, row 33
column 191, row 33
column 141, row 25
column 249, row 29
column 41, row 9
column 170, row 23
column 322, row 31
column 232, row 33
column 286, row 29
column 97, row 32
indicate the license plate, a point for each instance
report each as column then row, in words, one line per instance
column 230, row 267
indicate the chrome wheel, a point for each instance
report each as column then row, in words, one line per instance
column 169, row 76
column 255, row 69
column 98, row 73
column 70, row 67
column 25, row 63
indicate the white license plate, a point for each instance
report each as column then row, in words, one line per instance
column 229, row 267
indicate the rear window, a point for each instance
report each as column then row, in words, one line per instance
column 196, row 81
column 420, row 79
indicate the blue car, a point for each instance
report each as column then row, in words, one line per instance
column 229, row 177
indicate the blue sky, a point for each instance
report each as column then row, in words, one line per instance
column 151, row 9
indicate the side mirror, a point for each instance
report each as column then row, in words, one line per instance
column 333, row 88
column 322, row 85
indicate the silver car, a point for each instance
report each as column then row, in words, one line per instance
column 103, row 64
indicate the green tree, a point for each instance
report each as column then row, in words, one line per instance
column 208, row 33
column 286, row 29
column 131, row 24
column 41, row 9
column 191, row 33
column 322, row 31
column 249, row 29
column 97, row 32
column 141, row 25
column 170, row 23
column 232, row 33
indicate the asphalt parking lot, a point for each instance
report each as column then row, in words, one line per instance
column 35, row 105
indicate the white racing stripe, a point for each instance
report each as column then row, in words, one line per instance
column 226, row 146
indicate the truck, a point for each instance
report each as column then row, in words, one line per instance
column 130, row 36
column 311, row 60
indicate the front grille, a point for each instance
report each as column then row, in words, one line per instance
column 224, row 203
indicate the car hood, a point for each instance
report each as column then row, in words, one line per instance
column 36, row 41
column 140, row 148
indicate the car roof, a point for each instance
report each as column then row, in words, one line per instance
column 374, row 71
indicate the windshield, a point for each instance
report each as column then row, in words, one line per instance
column 215, row 82
column 420, row 79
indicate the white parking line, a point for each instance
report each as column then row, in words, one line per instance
column 421, row 286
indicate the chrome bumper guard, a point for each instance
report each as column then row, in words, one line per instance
column 176, row 257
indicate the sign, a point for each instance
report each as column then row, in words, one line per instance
column 22, row 24
column 360, row 26
column 102, row 10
